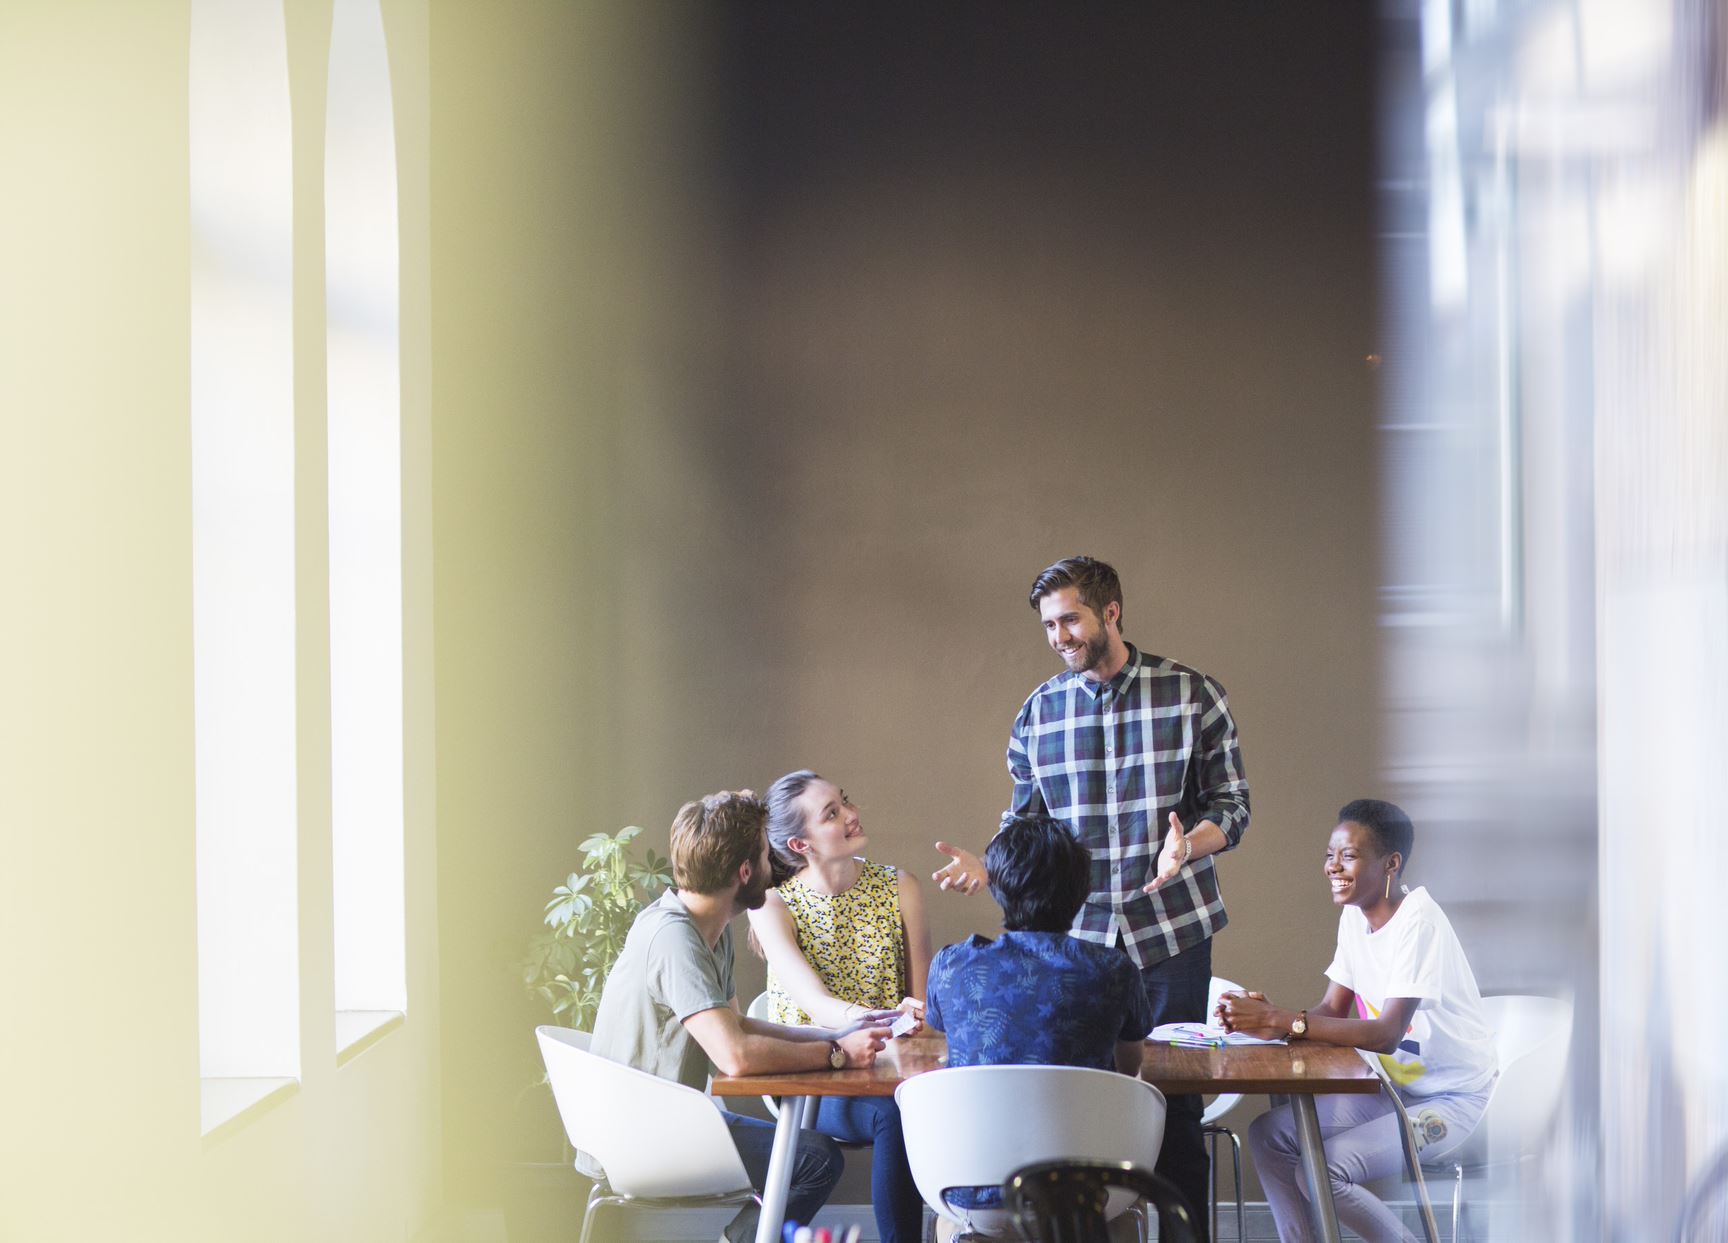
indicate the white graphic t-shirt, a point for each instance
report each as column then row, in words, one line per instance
column 1449, row 1046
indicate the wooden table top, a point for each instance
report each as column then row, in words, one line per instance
column 1297, row 1068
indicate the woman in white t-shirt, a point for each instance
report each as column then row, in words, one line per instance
column 1399, row 988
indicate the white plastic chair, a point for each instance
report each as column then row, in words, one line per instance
column 974, row 1126
column 1533, row 1039
column 762, row 1007
column 660, row 1143
column 1532, row 1042
column 1211, row 1128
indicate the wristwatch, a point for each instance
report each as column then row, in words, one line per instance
column 836, row 1055
column 1299, row 1028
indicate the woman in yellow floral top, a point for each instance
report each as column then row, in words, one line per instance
column 844, row 936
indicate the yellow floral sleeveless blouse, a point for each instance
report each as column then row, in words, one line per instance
column 854, row 940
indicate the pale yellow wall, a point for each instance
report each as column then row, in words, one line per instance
column 566, row 172
column 100, row 1133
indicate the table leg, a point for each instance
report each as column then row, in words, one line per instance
column 1314, row 1167
column 779, row 1181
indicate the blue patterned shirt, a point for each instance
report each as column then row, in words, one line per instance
column 1112, row 760
column 1033, row 998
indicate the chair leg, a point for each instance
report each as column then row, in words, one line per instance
column 1457, row 1196
column 1412, row 1161
column 1236, row 1167
column 1212, row 1134
column 589, row 1212
column 1212, row 1179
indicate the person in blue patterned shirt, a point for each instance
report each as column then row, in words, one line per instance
column 1138, row 755
column 1036, row 995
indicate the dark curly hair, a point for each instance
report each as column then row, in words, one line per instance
column 1039, row 873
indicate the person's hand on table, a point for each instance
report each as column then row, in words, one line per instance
column 863, row 1040
column 1252, row 1015
column 964, row 873
column 1218, row 1010
column 1176, row 852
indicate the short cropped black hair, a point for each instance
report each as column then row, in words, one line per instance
column 1391, row 828
column 1040, row 874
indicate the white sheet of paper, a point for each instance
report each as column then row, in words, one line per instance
column 1198, row 1033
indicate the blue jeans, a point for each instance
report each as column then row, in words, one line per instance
column 875, row 1120
column 1177, row 989
column 815, row 1170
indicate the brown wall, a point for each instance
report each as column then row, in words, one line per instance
column 774, row 356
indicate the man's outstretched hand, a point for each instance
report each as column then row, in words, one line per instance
column 964, row 872
column 1177, row 849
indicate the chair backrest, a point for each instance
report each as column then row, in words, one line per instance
column 1067, row 1201
column 653, row 1136
column 973, row 1126
column 762, row 1007
column 1533, row 1039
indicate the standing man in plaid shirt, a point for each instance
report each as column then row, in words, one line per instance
column 1138, row 756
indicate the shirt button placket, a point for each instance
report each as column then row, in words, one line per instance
column 1115, row 837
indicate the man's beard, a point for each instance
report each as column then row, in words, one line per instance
column 753, row 894
column 1090, row 655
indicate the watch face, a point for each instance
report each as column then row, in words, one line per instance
column 836, row 1058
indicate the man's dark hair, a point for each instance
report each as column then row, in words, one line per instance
column 1039, row 874
column 1391, row 828
column 1094, row 580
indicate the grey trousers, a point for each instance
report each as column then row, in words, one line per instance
column 1362, row 1144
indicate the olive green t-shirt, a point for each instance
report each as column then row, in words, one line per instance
column 664, row 974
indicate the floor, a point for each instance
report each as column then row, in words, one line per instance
column 699, row 1226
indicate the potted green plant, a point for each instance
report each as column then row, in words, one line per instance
column 565, row 970
column 586, row 922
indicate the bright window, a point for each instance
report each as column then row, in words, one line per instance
column 243, row 554
column 365, row 448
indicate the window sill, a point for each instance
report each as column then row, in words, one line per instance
column 224, row 1104
column 359, row 1030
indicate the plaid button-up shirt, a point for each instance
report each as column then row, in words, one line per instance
column 1113, row 760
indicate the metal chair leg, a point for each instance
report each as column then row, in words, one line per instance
column 1412, row 1161
column 1212, row 1179
column 1236, row 1169
column 1457, row 1196
column 588, row 1212
column 1212, row 1134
